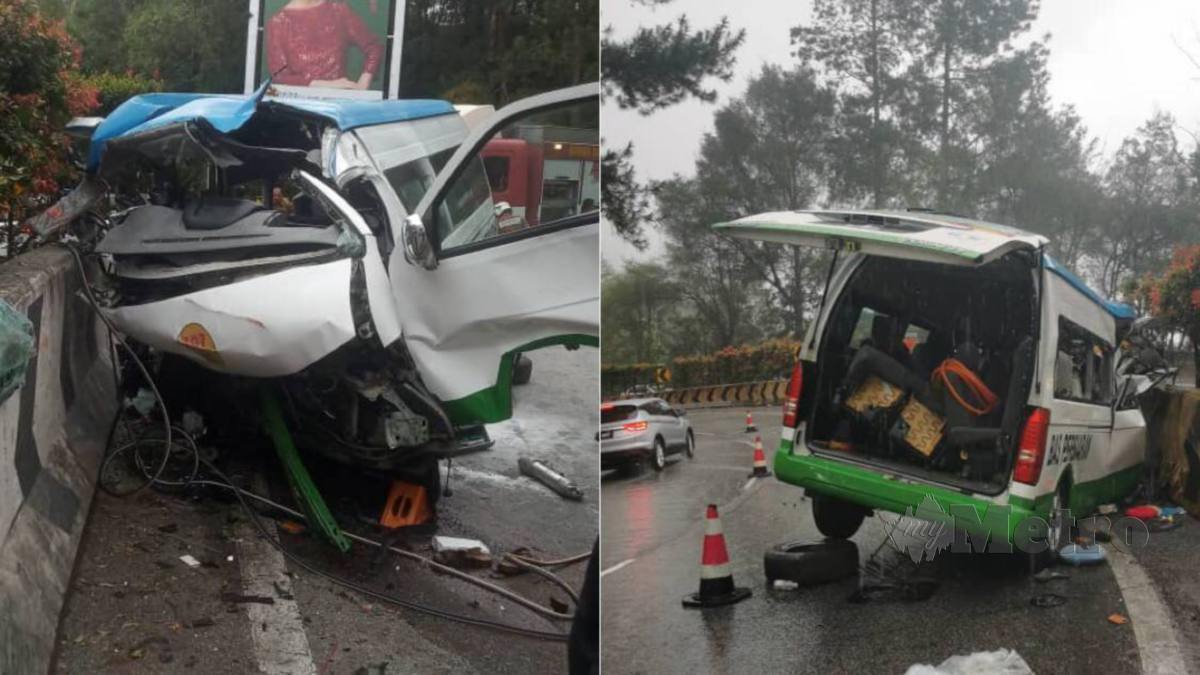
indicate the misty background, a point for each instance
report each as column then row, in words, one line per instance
column 1073, row 119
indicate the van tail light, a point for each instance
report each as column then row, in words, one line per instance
column 634, row 427
column 1031, row 452
column 791, row 405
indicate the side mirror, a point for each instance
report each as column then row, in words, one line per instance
column 680, row 411
column 415, row 241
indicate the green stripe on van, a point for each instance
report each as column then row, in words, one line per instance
column 494, row 403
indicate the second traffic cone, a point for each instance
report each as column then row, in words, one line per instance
column 760, row 460
column 716, row 581
column 750, row 423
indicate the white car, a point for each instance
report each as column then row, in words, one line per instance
column 955, row 369
column 643, row 429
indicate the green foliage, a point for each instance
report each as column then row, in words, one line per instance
column 1174, row 295
column 1152, row 203
column 39, row 92
column 899, row 103
column 626, row 201
column 638, row 305
column 488, row 51
column 656, row 68
column 115, row 88
column 660, row 66
column 767, row 360
column 191, row 45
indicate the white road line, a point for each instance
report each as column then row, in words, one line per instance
column 748, row 484
column 1153, row 630
column 616, row 567
column 277, row 631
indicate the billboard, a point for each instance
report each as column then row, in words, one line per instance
column 326, row 48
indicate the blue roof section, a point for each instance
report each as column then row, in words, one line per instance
column 228, row 113
column 1119, row 310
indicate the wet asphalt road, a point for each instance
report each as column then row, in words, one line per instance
column 982, row 602
column 133, row 603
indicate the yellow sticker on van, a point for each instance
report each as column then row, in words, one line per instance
column 197, row 338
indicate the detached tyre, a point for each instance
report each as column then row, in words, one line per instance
column 836, row 518
column 808, row 563
column 522, row 369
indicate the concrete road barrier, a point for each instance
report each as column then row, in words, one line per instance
column 52, row 434
column 768, row 392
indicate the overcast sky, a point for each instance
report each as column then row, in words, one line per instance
column 1116, row 61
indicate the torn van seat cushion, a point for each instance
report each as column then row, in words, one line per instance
column 16, row 348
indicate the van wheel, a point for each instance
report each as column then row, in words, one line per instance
column 691, row 445
column 837, row 518
column 1058, row 535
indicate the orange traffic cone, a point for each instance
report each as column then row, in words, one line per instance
column 716, row 581
column 750, row 423
column 760, row 460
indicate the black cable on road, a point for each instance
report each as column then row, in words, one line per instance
column 156, row 478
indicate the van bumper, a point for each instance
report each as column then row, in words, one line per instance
column 976, row 514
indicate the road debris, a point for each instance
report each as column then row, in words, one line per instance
column 189, row 561
column 1164, row 523
column 292, row 527
column 1118, row 619
column 1048, row 574
column 1001, row 661
column 810, row 563
column 1143, row 512
column 460, row 552
column 239, row 598
column 1047, row 600
column 541, row 472
column 1080, row 555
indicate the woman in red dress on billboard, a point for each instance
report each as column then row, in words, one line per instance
column 307, row 41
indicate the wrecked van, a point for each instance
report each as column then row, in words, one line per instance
column 348, row 252
column 952, row 360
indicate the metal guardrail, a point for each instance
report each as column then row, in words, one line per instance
column 768, row 392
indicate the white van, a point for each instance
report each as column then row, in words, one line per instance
column 952, row 360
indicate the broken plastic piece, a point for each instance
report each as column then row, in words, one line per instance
column 407, row 504
column 1118, row 619
column 1074, row 554
column 1143, row 512
column 189, row 561
column 460, row 552
column 540, row 471
column 302, row 484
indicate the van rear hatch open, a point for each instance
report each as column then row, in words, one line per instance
column 927, row 289
column 928, row 237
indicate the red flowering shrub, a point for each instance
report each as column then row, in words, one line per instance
column 768, row 360
column 1175, row 295
column 40, row 90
